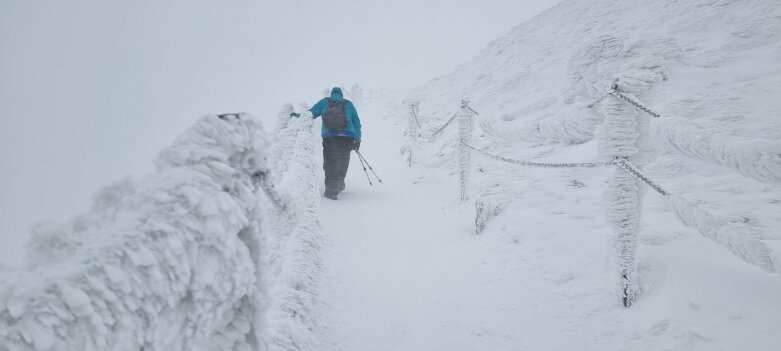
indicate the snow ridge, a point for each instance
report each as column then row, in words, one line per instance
column 158, row 264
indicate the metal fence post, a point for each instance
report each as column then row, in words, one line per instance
column 413, row 123
column 619, row 139
column 465, row 117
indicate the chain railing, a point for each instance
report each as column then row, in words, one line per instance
column 620, row 120
column 543, row 164
column 413, row 127
column 292, row 248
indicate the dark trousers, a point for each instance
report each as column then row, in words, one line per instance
column 336, row 159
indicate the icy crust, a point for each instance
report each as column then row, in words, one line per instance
column 759, row 159
column 293, row 256
column 157, row 264
column 749, row 249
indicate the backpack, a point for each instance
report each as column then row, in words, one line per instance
column 335, row 116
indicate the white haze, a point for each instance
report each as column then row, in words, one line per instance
column 92, row 90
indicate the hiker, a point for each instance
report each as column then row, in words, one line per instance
column 341, row 133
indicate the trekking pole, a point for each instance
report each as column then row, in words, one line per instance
column 365, row 171
column 368, row 165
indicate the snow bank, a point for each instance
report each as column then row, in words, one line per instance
column 157, row 264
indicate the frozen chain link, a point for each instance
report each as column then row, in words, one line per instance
column 413, row 109
column 465, row 104
column 617, row 93
column 543, row 164
column 598, row 100
column 446, row 124
column 260, row 180
column 623, row 163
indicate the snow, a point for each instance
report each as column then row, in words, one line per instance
column 229, row 246
column 291, row 254
column 408, row 273
column 541, row 274
column 167, row 262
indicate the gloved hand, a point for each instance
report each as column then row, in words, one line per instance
column 293, row 114
column 356, row 145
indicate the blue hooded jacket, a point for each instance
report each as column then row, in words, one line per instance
column 353, row 128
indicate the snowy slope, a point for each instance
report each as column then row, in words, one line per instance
column 711, row 69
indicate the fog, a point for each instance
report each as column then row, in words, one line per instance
column 90, row 91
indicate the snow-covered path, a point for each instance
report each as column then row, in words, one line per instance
column 396, row 277
column 403, row 270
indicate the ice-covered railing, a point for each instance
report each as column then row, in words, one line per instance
column 759, row 159
column 412, row 133
column 627, row 133
column 292, row 260
column 161, row 263
column 204, row 254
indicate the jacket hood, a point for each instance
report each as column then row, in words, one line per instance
column 336, row 93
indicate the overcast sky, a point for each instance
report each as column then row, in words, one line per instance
column 92, row 90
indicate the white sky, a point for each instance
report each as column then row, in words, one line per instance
column 91, row 90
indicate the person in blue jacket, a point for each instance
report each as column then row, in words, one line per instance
column 341, row 133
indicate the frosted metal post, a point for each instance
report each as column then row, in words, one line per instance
column 412, row 129
column 465, row 116
column 619, row 139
